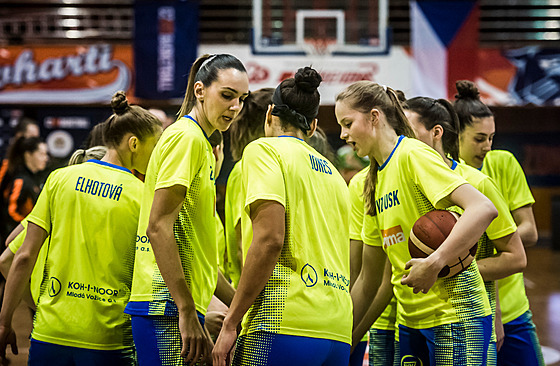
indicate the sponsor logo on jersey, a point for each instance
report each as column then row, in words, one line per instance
column 309, row 275
column 392, row 236
column 411, row 361
column 54, row 286
column 387, row 201
column 319, row 165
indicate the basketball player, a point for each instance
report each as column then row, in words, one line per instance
column 407, row 179
column 293, row 288
column 15, row 239
column 247, row 127
column 90, row 211
column 500, row 251
column 176, row 267
column 477, row 128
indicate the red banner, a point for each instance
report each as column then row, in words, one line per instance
column 65, row 74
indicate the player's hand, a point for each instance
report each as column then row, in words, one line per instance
column 421, row 276
column 197, row 344
column 7, row 336
column 224, row 346
column 500, row 334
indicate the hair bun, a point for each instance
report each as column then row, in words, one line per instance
column 307, row 79
column 466, row 90
column 119, row 103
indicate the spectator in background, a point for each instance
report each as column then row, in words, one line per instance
column 26, row 127
column 348, row 163
column 22, row 184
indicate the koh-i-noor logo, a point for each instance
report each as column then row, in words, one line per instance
column 309, row 275
column 27, row 79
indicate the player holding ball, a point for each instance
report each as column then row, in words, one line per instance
column 442, row 321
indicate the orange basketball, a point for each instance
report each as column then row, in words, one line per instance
column 427, row 234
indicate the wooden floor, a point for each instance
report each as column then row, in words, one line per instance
column 542, row 278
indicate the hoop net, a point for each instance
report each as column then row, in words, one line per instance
column 319, row 46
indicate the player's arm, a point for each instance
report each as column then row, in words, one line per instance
column 478, row 214
column 526, row 225
column 499, row 326
column 17, row 230
column 165, row 210
column 356, row 249
column 239, row 238
column 377, row 307
column 224, row 291
column 6, row 260
column 368, row 281
column 509, row 259
column 268, row 220
column 18, row 277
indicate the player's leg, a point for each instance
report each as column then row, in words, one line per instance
column 263, row 348
column 47, row 354
column 521, row 344
column 413, row 347
column 381, row 347
column 463, row 343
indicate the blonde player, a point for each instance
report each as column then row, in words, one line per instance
column 90, row 213
column 293, row 289
column 500, row 251
column 407, row 179
column 15, row 239
column 477, row 129
column 247, row 127
column 176, row 267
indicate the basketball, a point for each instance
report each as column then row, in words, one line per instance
column 427, row 234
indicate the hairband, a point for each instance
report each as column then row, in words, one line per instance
column 286, row 113
column 208, row 60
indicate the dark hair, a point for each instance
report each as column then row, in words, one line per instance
column 468, row 104
column 320, row 143
column 438, row 112
column 16, row 152
column 128, row 119
column 216, row 138
column 248, row 125
column 22, row 125
column 95, row 137
column 363, row 96
column 296, row 100
column 205, row 69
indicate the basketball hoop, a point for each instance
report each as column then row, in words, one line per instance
column 319, row 46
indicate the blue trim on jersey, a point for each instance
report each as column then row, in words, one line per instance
column 194, row 120
column 453, row 164
column 294, row 137
column 142, row 308
column 95, row 161
column 401, row 137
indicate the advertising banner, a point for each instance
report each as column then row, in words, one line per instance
column 64, row 74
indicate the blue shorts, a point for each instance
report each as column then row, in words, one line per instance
column 263, row 348
column 357, row 357
column 521, row 345
column 48, row 354
column 463, row 344
column 158, row 339
column 382, row 347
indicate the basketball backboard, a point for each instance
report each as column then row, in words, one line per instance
column 334, row 27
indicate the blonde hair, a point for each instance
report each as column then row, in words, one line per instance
column 81, row 155
column 363, row 96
